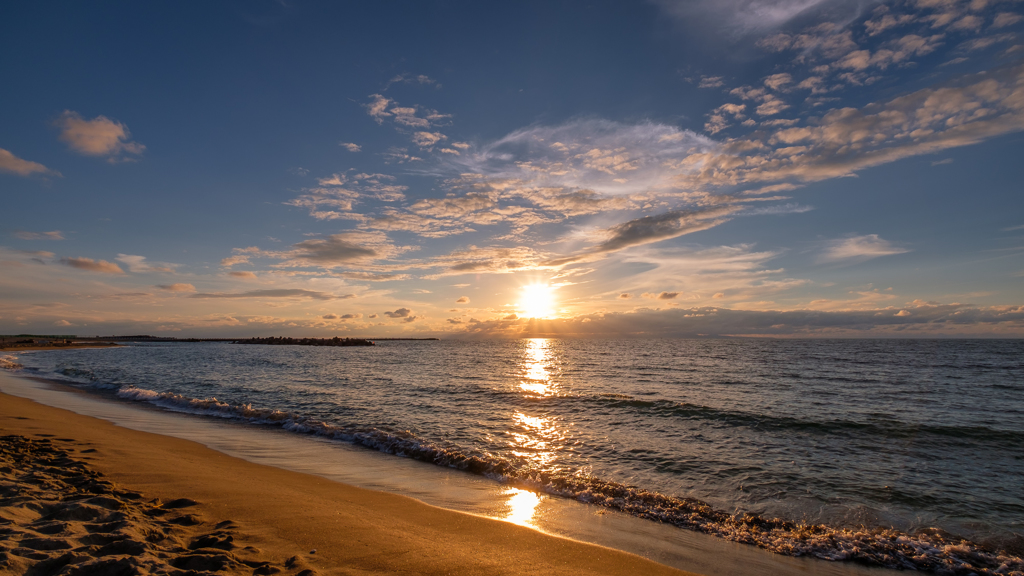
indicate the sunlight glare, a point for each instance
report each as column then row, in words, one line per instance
column 522, row 504
column 537, row 301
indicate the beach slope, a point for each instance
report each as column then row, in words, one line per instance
column 261, row 519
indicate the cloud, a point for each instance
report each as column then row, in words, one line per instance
column 885, row 21
column 649, row 229
column 488, row 259
column 740, row 16
column 373, row 276
column 711, row 82
column 92, row 265
column 62, row 323
column 668, row 295
column 625, row 296
column 463, row 300
column 242, row 274
column 964, row 111
column 859, row 248
column 427, row 139
column 605, row 157
column 778, row 81
column 919, row 319
column 274, row 293
column 412, row 79
column 985, row 42
column 100, row 136
column 404, row 117
column 342, row 317
column 177, row 287
column 377, row 107
column 11, row 163
column 718, row 118
column 350, row 146
column 139, row 264
column 400, row 313
column 337, row 249
column 232, row 260
column 52, row 235
column 1004, row 19
column 827, row 39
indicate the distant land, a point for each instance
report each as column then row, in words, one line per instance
column 51, row 339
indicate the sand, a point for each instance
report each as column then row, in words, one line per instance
column 79, row 495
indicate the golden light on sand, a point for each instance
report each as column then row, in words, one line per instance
column 522, row 504
column 537, row 301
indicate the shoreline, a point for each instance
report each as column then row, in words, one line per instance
column 352, row 529
column 449, row 490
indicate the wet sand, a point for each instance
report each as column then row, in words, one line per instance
column 100, row 498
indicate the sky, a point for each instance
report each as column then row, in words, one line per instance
column 790, row 168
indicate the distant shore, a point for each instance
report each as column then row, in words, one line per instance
column 225, row 511
column 71, row 346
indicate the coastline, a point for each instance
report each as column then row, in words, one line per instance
column 284, row 513
column 448, row 490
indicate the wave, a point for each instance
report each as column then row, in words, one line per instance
column 889, row 429
column 932, row 551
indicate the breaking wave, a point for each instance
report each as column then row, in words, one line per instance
column 930, row 550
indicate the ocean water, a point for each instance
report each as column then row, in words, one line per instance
column 882, row 451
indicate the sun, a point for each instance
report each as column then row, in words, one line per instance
column 537, row 301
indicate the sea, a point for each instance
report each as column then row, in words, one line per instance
column 888, row 452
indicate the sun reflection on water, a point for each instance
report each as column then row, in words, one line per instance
column 522, row 505
column 535, row 440
column 536, row 376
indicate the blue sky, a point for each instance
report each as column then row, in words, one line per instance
column 747, row 167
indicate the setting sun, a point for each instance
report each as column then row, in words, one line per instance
column 537, row 301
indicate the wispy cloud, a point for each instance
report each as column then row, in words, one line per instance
column 351, row 147
column 275, row 293
column 963, row 111
column 859, row 248
column 421, row 79
column 140, row 265
column 607, row 157
column 52, row 235
column 741, row 15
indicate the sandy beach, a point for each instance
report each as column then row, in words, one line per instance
column 84, row 496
